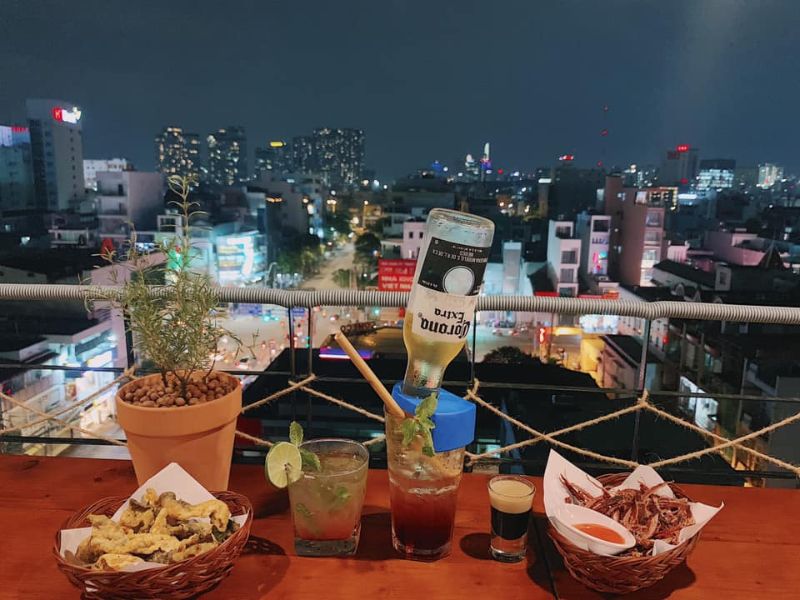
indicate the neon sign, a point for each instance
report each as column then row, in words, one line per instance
column 64, row 115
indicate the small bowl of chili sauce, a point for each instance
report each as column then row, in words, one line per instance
column 592, row 531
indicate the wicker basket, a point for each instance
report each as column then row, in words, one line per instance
column 619, row 575
column 184, row 579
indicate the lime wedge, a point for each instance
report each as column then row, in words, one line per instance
column 283, row 465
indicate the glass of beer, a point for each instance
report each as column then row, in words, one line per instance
column 511, row 498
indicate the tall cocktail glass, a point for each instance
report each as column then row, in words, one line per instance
column 423, row 491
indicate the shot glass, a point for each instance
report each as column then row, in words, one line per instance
column 511, row 498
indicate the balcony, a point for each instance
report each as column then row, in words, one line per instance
column 298, row 359
column 569, row 257
column 544, row 394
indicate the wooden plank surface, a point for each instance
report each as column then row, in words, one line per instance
column 750, row 550
column 37, row 494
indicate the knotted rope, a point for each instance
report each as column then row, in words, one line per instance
column 642, row 404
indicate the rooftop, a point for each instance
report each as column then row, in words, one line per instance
column 686, row 272
column 630, row 348
column 55, row 263
column 12, row 343
column 39, row 325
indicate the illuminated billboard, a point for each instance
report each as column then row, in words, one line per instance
column 396, row 275
column 67, row 115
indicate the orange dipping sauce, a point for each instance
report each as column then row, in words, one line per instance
column 601, row 532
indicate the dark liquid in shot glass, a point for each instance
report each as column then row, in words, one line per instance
column 510, row 526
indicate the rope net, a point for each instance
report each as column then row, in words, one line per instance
column 642, row 405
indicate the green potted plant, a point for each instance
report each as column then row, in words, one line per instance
column 187, row 411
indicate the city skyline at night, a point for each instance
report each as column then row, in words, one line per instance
column 423, row 85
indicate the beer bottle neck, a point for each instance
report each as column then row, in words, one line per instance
column 422, row 378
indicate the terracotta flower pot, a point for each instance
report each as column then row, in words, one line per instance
column 199, row 438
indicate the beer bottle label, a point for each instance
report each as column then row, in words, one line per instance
column 446, row 290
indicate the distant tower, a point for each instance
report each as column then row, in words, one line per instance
column 486, row 161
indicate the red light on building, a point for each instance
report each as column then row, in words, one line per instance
column 682, row 148
column 684, row 181
column 499, row 171
column 58, row 113
column 566, row 157
column 19, row 129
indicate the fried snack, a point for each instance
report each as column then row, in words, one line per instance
column 193, row 551
column 137, row 517
column 647, row 515
column 173, row 509
column 157, row 528
column 115, row 562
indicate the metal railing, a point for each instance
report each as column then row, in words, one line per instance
column 527, row 304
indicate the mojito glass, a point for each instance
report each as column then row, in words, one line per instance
column 326, row 504
column 423, row 492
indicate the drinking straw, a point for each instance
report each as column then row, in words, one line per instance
column 369, row 375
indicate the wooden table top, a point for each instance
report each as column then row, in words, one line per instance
column 750, row 550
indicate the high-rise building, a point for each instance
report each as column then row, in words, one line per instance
column 769, row 175
column 716, row 174
column 178, row 153
column 563, row 257
column 569, row 190
column 335, row 154
column 227, row 156
column 637, row 229
column 303, row 156
column 339, row 155
column 679, row 166
column 594, row 231
column 57, row 153
column 275, row 158
column 194, row 162
column 16, row 169
column 128, row 198
column 93, row 166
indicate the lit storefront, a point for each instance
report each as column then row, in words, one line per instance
column 59, row 391
column 240, row 259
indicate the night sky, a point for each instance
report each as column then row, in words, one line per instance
column 425, row 79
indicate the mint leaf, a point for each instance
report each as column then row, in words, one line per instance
column 427, row 449
column 342, row 495
column 310, row 460
column 421, row 424
column 295, row 433
column 302, row 510
column 427, row 407
column 409, row 427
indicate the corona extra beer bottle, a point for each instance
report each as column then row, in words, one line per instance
column 441, row 306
